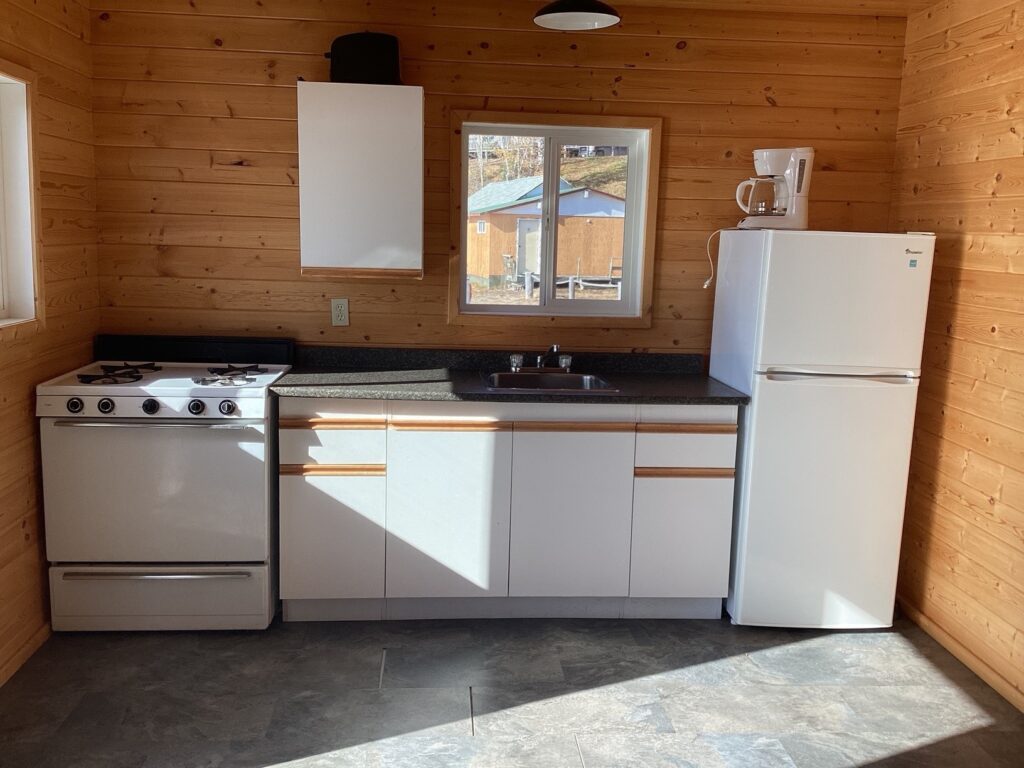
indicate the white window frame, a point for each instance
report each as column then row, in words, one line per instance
column 19, row 272
column 636, row 252
column 481, row 227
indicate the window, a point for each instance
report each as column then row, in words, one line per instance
column 569, row 206
column 17, row 228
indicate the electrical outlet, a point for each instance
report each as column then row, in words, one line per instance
column 339, row 311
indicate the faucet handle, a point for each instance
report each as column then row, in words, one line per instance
column 516, row 362
column 565, row 362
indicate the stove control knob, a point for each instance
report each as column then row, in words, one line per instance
column 150, row 406
column 196, row 407
column 106, row 405
column 75, row 405
column 227, row 407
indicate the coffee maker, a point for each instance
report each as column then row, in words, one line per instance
column 778, row 194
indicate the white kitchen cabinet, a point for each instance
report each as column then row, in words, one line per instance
column 681, row 536
column 571, row 509
column 332, row 535
column 448, row 490
column 360, row 179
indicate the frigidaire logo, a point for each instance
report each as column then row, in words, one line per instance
column 917, row 253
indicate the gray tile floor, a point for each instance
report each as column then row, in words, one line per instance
column 581, row 693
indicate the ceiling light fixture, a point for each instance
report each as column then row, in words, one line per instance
column 576, row 15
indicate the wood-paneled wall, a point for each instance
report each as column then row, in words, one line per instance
column 196, row 137
column 960, row 173
column 50, row 37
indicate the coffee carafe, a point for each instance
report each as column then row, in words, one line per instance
column 777, row 197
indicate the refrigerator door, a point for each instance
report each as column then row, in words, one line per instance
column 821, row 497
column 844, row 302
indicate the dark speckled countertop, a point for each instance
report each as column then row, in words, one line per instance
column 403, row 374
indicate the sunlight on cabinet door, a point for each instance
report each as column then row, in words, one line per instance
column 449, row 494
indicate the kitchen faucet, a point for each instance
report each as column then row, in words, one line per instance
column 551, row 356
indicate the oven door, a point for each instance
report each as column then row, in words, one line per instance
column 121, row 490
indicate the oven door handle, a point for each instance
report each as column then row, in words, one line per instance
column 144, row 576
column 155, row 424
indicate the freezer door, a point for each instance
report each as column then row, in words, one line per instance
column 823, row 482
column 845, row 302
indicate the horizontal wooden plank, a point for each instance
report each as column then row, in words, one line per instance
column 971, row 38
column 1002, row 140
column 72, row 158
column 882, row 26
column 1004, row 215
column 988, row 438
column 949, row 185
column 978, row 289
column 972, row 109
column 931, row 490
column 19, row 26
column 999, row 367
column 946, row 14
column 675, row 336
column 146, row 93
column 999, row 65
column 201, row 165
column 497, row 46
column 978, row 251
column 637, row 85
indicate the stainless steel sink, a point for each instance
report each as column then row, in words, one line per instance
column 542, row 381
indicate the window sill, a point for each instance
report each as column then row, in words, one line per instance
column 492, row 319
column 17, row 327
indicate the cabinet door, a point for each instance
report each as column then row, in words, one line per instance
column 360, row 177
column 682, row 529
column 572, row 498
column 332, row 536
column 448, row 510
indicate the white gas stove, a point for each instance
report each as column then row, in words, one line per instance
column 159, row 488
column 125, row 390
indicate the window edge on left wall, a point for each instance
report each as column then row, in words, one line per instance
column 20, row 245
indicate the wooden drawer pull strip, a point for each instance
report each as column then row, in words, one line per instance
column 574, row 426
column 687, row 429
column 438, row 425
column 684, row 472
column 334, row 470
column 327, row 422
column 344, row 273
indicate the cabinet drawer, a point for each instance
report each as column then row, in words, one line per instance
column 682, row 529
column 352, row 443
column 160, row 597
column 686, row 445
column 332, row 537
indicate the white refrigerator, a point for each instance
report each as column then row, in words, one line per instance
column 824, row 331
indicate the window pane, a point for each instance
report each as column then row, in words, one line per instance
column 591, row 219
column 503, row 224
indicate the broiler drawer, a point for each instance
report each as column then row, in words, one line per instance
column 160, row 597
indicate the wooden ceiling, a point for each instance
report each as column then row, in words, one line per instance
column 839, row 7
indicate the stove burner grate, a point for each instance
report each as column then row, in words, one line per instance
column 126, row 373
column 230, row 376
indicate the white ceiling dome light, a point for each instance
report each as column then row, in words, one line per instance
column 576, row 15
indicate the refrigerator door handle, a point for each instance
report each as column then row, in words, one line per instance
column 808, row 376
column 840, row 372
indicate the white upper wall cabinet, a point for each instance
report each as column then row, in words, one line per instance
column 361, row 178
